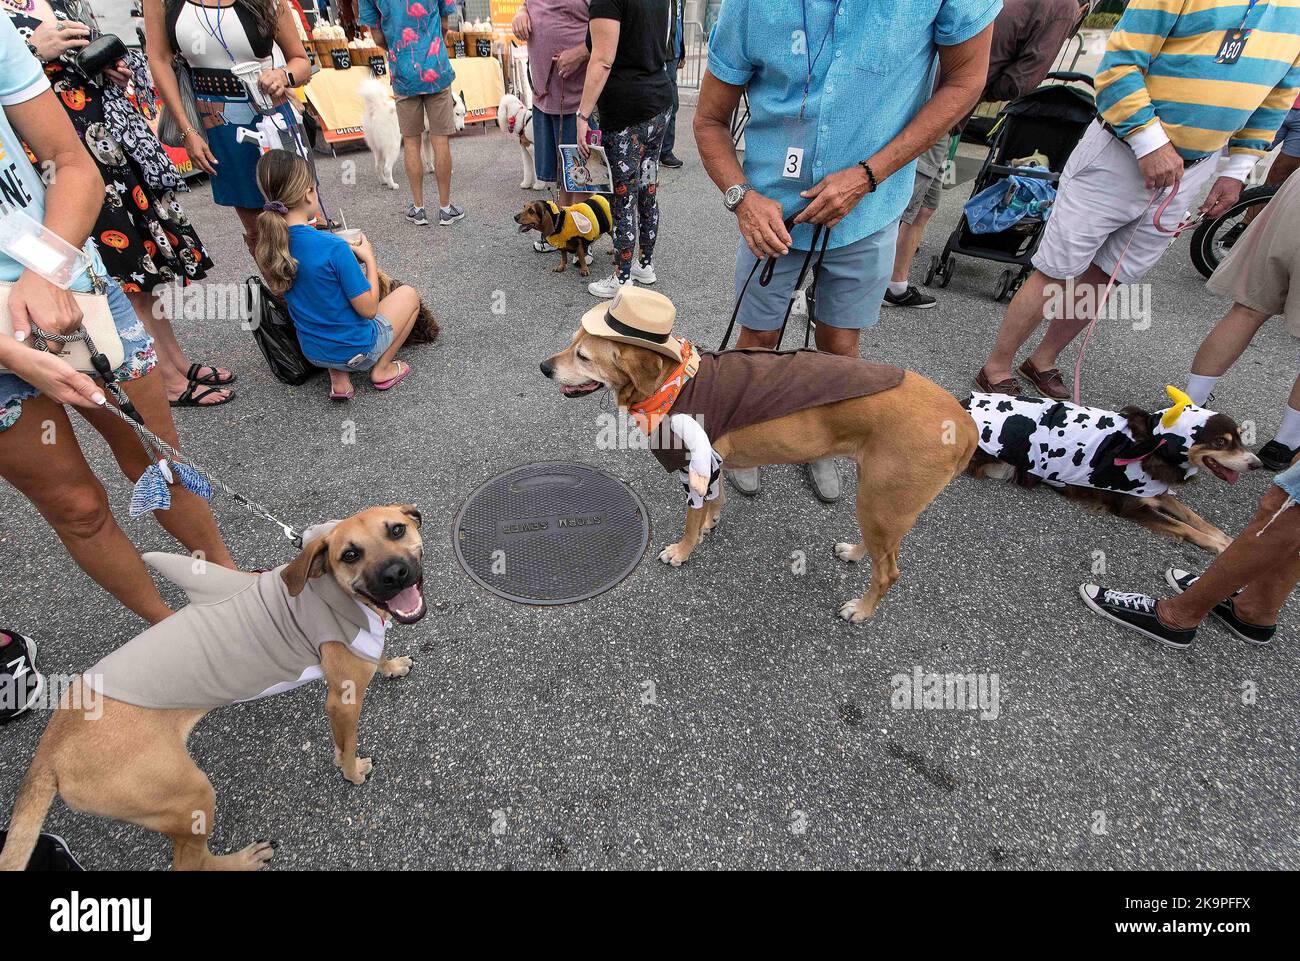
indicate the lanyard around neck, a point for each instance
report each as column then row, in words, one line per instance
column 807, row 48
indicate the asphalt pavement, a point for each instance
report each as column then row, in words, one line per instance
column 720, row 714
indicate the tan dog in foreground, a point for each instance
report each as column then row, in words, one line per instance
column 129, row 762
column 908, row 442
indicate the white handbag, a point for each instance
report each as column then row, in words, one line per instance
column 97, row 328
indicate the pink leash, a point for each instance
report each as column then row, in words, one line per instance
column 1105, row 294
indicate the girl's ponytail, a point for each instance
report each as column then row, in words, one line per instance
column 284, row 179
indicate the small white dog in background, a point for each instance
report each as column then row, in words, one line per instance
column 516, row 119
column 379, row 123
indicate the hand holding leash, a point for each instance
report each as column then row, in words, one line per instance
column 1225, row 192
column 1162, row 168
column 35, row 302
column 762, row 225
column 834, row 196
column 56, row 379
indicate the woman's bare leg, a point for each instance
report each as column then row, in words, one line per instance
column 340, row 381
column 190, row 519
column 1264, row 551
column 400, row 309
column 1226, row 342
column 172, row 361
column 41, row 446
column 248, row 218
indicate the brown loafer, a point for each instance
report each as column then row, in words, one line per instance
column 1010, row 386
column 1049, row 383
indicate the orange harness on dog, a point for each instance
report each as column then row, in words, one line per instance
column 648, row 413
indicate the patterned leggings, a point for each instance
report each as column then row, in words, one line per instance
column 634, row 159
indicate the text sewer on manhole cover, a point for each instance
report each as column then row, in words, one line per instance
column 551, row 533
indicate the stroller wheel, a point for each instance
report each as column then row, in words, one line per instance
column 1004, row 285
column 945, row 272
column 931, row 270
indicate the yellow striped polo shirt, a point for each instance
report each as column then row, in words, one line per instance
column 1159, row 80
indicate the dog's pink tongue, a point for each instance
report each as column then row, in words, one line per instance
column 1231, row 476
column 406, row 602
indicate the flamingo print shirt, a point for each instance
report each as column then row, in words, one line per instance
column 417, row 54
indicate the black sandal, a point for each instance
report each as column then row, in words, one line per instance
column 210, row 380
column 191, row 399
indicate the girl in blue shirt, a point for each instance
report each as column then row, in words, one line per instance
column 330, row 285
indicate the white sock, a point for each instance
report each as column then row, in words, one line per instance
column 1289, row 433
column 898, row 287
column 446, row 209
column 1198, row 388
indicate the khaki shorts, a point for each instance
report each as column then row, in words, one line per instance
column 1258, row 271
column 927, row 189
column 1103, row 211
column 438, row 107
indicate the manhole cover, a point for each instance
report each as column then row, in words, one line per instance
column 551, row 533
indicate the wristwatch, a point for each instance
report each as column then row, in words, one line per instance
column 735, row 194
column 288, row 75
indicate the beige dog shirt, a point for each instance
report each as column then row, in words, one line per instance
column 241, row 637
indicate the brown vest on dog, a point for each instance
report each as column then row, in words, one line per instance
column 737, row 388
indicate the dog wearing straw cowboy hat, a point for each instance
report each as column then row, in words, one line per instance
column 701, row 410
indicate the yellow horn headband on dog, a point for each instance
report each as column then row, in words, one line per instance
column 1181, row 403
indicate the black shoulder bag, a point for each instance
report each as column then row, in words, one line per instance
column 276, row 335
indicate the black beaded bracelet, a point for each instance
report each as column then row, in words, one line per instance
column 871, row 175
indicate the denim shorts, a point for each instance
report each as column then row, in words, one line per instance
column 849, row 290
column 1288, row 135
column 549, row 131
column 383, row 340
column 139, row 358
column 1289, row 481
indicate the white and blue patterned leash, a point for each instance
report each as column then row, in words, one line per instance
column 153, row 490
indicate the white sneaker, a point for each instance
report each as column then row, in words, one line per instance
column 607, row 288
column 542, row 247
column 644, row 275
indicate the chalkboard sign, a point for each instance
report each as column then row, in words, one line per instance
column 378, row 66
column 483, row 46
column 459, row 47
column 341, row 58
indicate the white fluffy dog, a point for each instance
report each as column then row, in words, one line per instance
column 379, row 122
column 516, row 119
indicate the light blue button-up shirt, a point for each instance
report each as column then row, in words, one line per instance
column 874, row 71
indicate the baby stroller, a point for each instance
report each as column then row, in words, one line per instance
column 1050, row 121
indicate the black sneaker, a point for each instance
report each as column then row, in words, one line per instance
column 671, row 161
column 1225, row 611
column 910, row 298
column 50, row 854
column 20, row 683
column 1137, row 612
column 1277, row 456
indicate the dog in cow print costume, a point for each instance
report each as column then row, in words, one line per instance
column 1124, row 461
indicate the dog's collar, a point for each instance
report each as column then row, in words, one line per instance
column 648, row 413
column 519, row 120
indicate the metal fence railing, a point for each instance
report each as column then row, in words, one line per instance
column 697, row 55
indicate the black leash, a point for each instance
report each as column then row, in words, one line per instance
column 821, row 233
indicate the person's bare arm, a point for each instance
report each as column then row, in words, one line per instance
column 377, row 35
column 158, row 49
column 604, row 46
column 963, row 68
column 275, row 82
column 73, row 196
column 760, row 218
